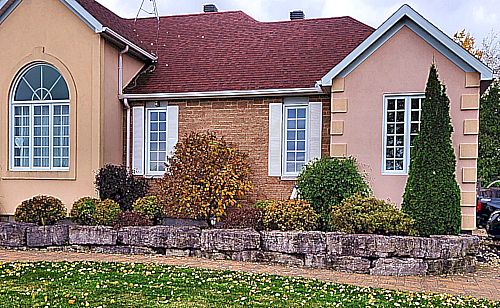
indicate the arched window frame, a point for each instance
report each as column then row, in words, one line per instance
column 52, row 122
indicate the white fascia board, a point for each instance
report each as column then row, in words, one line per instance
column 129, row 43
column 407, row 11
column 84, row 15
column 224, row 94
column 7, row 13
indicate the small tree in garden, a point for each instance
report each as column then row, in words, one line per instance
column 488, row 164
column 118, row 184
column 326, row 182
column 204, row 177
column 432, row 195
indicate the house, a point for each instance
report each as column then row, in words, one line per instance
column 81, row 87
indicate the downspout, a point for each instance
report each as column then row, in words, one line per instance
column 125, row 103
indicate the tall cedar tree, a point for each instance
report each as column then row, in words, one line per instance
column 432, row 195
column 489, row 135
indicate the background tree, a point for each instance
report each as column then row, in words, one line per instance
column 432, row 195
column 468, row 42
column 489, row 135
column 490, row 49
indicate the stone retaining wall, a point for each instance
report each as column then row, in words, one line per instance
column 360, row 253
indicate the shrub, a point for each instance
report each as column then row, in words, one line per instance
column 488, row 163
column 131, row 219
column 261, row 204
column 118, row 184
column 204, row 177
column 289, row 215
column 83, row 211
column 359, row 214
column 106, row 212
column 244, row 217
column 148, row 206
column 41, row 210
column 327, row 182
column 432, row 195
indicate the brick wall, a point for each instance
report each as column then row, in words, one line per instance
column 244, row 123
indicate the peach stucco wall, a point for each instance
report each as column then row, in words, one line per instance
column 113, row 147
column 400, row 65
column 33, row 33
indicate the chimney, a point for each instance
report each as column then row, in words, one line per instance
column 296, row 15
column 210, row 8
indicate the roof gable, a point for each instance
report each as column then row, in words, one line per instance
column 406, row 16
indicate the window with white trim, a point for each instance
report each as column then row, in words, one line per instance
column 295, row 135
column 401, row 126
column 39, row 121
column 156, row 140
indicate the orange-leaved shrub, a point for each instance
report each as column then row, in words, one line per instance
column 204, row 177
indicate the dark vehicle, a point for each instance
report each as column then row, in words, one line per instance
column 493, row 225
column 488, row 209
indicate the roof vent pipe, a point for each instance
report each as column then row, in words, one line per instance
column 296, row 15
column 210, row 8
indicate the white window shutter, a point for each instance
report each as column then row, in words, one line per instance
column 275, row 144
column 315, row 125
column 138, row 140
column 173, row 128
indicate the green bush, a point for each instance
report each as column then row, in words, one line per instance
column 148, row 206
column 289, row 215
column 488, row 163
column 83, row 211
column 327, row 182
column 41, row 210
column 106, row 212
column 368, row 215
column 118, row 184
column 432, row 195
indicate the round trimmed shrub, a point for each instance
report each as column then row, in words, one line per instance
column 106, row 212
column 289, row 215
column 326, row 182
column 41, row 210
column 83, row 211
column 148, row 206
column 368, row 215
column 131, row 219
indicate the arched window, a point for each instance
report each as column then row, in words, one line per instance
column 39, row 121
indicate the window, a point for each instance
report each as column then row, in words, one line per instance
column 295, row 133
column 401, row 126
column 156, row 144
column 39, row 122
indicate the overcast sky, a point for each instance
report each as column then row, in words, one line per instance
column 479, row 17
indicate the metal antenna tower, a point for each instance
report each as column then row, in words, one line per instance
column 150, row 13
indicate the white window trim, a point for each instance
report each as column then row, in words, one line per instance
column 147, row 171
column 406, row 162
column 13, row 103
column 293, row 103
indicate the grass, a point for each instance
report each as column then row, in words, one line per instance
column 96, row 284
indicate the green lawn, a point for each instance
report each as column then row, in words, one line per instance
column 92, row 284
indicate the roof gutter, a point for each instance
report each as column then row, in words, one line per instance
column 224, row 94
column 133, row 46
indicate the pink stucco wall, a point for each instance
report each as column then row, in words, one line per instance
column 400, row 65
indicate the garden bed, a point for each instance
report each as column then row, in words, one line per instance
column 368, row 254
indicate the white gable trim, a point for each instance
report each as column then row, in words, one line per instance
column 84, row 15
column 421, row 27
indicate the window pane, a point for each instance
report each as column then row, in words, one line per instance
column 158, row 139
column 295, row 138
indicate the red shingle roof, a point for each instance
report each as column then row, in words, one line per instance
column 233, row 51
